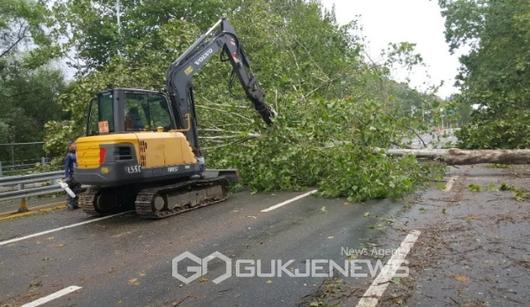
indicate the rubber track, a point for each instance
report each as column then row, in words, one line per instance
column 86, row 202
column 145, row 197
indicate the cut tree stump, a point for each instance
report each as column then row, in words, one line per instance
column 456, row 156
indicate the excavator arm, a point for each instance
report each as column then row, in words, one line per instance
column 219, row 38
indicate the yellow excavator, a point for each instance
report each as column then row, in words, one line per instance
column 141, row 148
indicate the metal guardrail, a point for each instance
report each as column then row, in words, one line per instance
column 42, row 184
column 12, row 180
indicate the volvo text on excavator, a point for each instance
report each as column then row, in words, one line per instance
column 141, row 148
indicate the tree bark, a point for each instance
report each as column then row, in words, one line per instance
column 456, row 156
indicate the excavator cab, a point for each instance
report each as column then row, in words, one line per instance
column 122, row 110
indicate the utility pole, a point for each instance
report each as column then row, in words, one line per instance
column 12, row 155
column 118, row 22
column 442, row 116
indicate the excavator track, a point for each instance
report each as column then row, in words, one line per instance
column 86, row 201
column 102, row 201
column 163, row 201
column 159, row 201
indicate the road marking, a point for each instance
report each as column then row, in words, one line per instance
column 450, row 183
column 51, row 297
column 38, row 234
column 380, row 283
column 289, row 201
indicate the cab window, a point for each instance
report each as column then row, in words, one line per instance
column 101, row 116
column 146, row 112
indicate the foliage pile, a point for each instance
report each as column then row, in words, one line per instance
column 334, row 108
column 495, row 75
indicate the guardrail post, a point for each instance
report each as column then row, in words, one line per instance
column 23, row 207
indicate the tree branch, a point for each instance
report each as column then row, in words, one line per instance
column 21, row 35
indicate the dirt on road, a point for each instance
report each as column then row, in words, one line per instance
column 475, row 244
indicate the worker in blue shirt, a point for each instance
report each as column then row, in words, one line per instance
column 70, row 163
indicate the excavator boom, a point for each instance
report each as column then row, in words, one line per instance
column 219, row 38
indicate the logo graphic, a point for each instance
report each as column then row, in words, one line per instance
column 203, row 57
column 201, row 267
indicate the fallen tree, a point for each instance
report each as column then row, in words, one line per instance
column 456, row 156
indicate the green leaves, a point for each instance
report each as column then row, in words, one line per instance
column 26, row 23
column 328, row 144
column 495, row 75
column 508, row 128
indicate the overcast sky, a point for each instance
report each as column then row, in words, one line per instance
column 415, row 21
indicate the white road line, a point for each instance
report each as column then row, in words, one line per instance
column 380, row 283
column 51, row 297
column 288, row 201
column 450, row 183
column 38, row 234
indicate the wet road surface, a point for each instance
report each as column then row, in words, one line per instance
column 473, row 249
column 127, row 260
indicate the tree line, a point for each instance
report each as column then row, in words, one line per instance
column 335, row 105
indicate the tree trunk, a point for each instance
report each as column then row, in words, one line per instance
column 455, row 156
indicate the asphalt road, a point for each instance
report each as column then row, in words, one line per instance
column 471, row 249
column 125, row 260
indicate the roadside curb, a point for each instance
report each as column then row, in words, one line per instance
column 5, row 216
